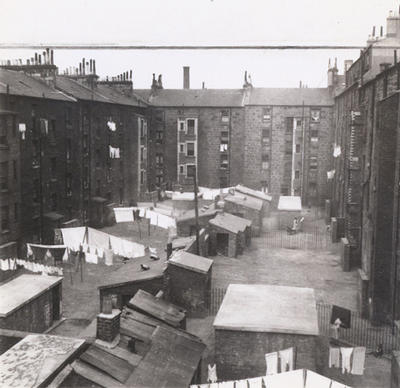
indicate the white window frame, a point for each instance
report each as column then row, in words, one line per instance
column 195, row 149
column 184, row 148
column 186, row 168
column 182, row 167
column 195, row 125
column 181, row 121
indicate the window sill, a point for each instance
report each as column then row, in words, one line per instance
column 5, row 231
column 4, row 191
column 4, row 147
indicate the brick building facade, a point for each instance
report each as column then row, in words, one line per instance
column 366, row 164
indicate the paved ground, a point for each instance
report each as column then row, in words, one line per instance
column 318, row 269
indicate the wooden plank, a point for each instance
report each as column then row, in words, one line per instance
column 95, row 375
column 114, row 366
column 14, row 333
column 135, row 329
column 132, row 358
column 59, row 379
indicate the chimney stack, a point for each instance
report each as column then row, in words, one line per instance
column 186, row 77
column 393, row 26
column 381, row 31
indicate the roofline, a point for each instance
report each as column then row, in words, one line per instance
column 2, row 315
column 112, row 285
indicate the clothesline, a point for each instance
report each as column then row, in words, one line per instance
column 11, row 265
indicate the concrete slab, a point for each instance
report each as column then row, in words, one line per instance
column 289, row 203
column 33, row 360
column 266, row 308
column 23, row 289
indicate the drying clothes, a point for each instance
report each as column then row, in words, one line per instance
column 114, row 152
column 271, row 360
column 165, row 221
column 73, row 237
column 58, row 254
column 286, row 357
column 241, row 384
column 343, row 314
column 91, row 258
column 315, row 380
column 142, row 212
column 108, row 257
column 22, row 130
column 123, row 214
column 330, row 174
column 39, row 251
column 98, row 239
column 346, row 359
column 336, row 151
column 100, row 253
column 227, row 384
column 334, row 357
column 212, row 373
column 111, row 126
column 335, row 384
column 116, row 245
column 44, row 126
column 255, row 382
column 357, row 367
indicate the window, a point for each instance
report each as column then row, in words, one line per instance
column 224, row 135
column 190, row 149
column 225, row 116
column 108, row 174
column 181, row 125
column 265, row 135
column 181, row 147
column 159, row 179
column 289, row 125
column 141, row 177
column 266, row 114
column 121, row 195
column 265, row 157
column 53, row 167
column 224, row 161
column 159, row 136
column 14, row 126
column 98, row 158
column 385, row 85
column 159, row 115
column 190, row 170
column 298, row 123
column 159, row 159
column 297, row 148
column 53, row 201
column 5, row 218
column 265, row 165
column 68, row 149
column 68, row 184
column 313, row 163
column 284, row 190
column 109, row 196
column 181, row 169
column 223, row 147
column 315, row 115
column 142, row 153
column 314, row 135
column 223, row 181
column 143, row 127
column 85, row 143
column 4, row 176
column 15, row 169
column 3, row 131
column 68, row 116
column 36, row 191
column 53, row 130
column 297, row 174
column 265, row 161
column 191, row 127
column 98, row 187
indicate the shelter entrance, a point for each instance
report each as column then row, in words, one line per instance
column 222, row 243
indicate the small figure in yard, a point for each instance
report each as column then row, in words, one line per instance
column 293, row 229
column 336, row 327
column 379, row 351
column 212, row 374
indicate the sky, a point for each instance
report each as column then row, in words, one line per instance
column 197, row 22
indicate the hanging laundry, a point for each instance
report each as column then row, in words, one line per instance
column 212, row 373
column 227, row 384
column 335, row 384
column 114, row 152
column 241, row 384
column 44, row 126
column 73, row 237
column 334, row 357
column 111, row 126
column 358, row 360
column 255, row 382
column 315, row 380
column 22, row 130
column 346, row 359
column 336, row 151
column 39, row 251
column 286, row 357
column 330, row 174
column 108, row 257
column 123, row 214
column 343, row 314
column 117, row 153
column 91, row 258
column 98, row 239
column 271, row 360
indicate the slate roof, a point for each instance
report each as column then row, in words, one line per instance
column 21, row 84
column 194, row 97
column 102, row 93
column 230, row 222
column 245, row 201
column 291, row 96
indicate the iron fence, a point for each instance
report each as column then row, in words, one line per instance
column 361, row 333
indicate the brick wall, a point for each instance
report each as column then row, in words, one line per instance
column 241, row 354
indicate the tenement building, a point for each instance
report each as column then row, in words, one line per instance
column 71, row 147
column 366, row 155
column 274, row 139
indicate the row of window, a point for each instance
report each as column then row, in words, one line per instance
column 4, row 174
column 5, row 216
column 188, row 148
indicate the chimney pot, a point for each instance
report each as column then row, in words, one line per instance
column 186, row 77
column 381, row 31
column 130, row 75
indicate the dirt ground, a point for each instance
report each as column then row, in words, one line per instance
column 317, row 269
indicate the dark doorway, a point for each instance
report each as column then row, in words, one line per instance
column 222, row 243
column 56, row 296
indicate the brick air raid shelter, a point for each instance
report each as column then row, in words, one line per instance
column 189, row 282
column 246, row 207
column 229, row 234
column 257, row 319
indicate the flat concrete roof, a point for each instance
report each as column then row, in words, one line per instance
column 191, row 262
column 21, row 290
column 35, row 358
column 289, row 203
column 269, row 309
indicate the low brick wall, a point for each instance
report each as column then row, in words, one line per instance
column 241, row 354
